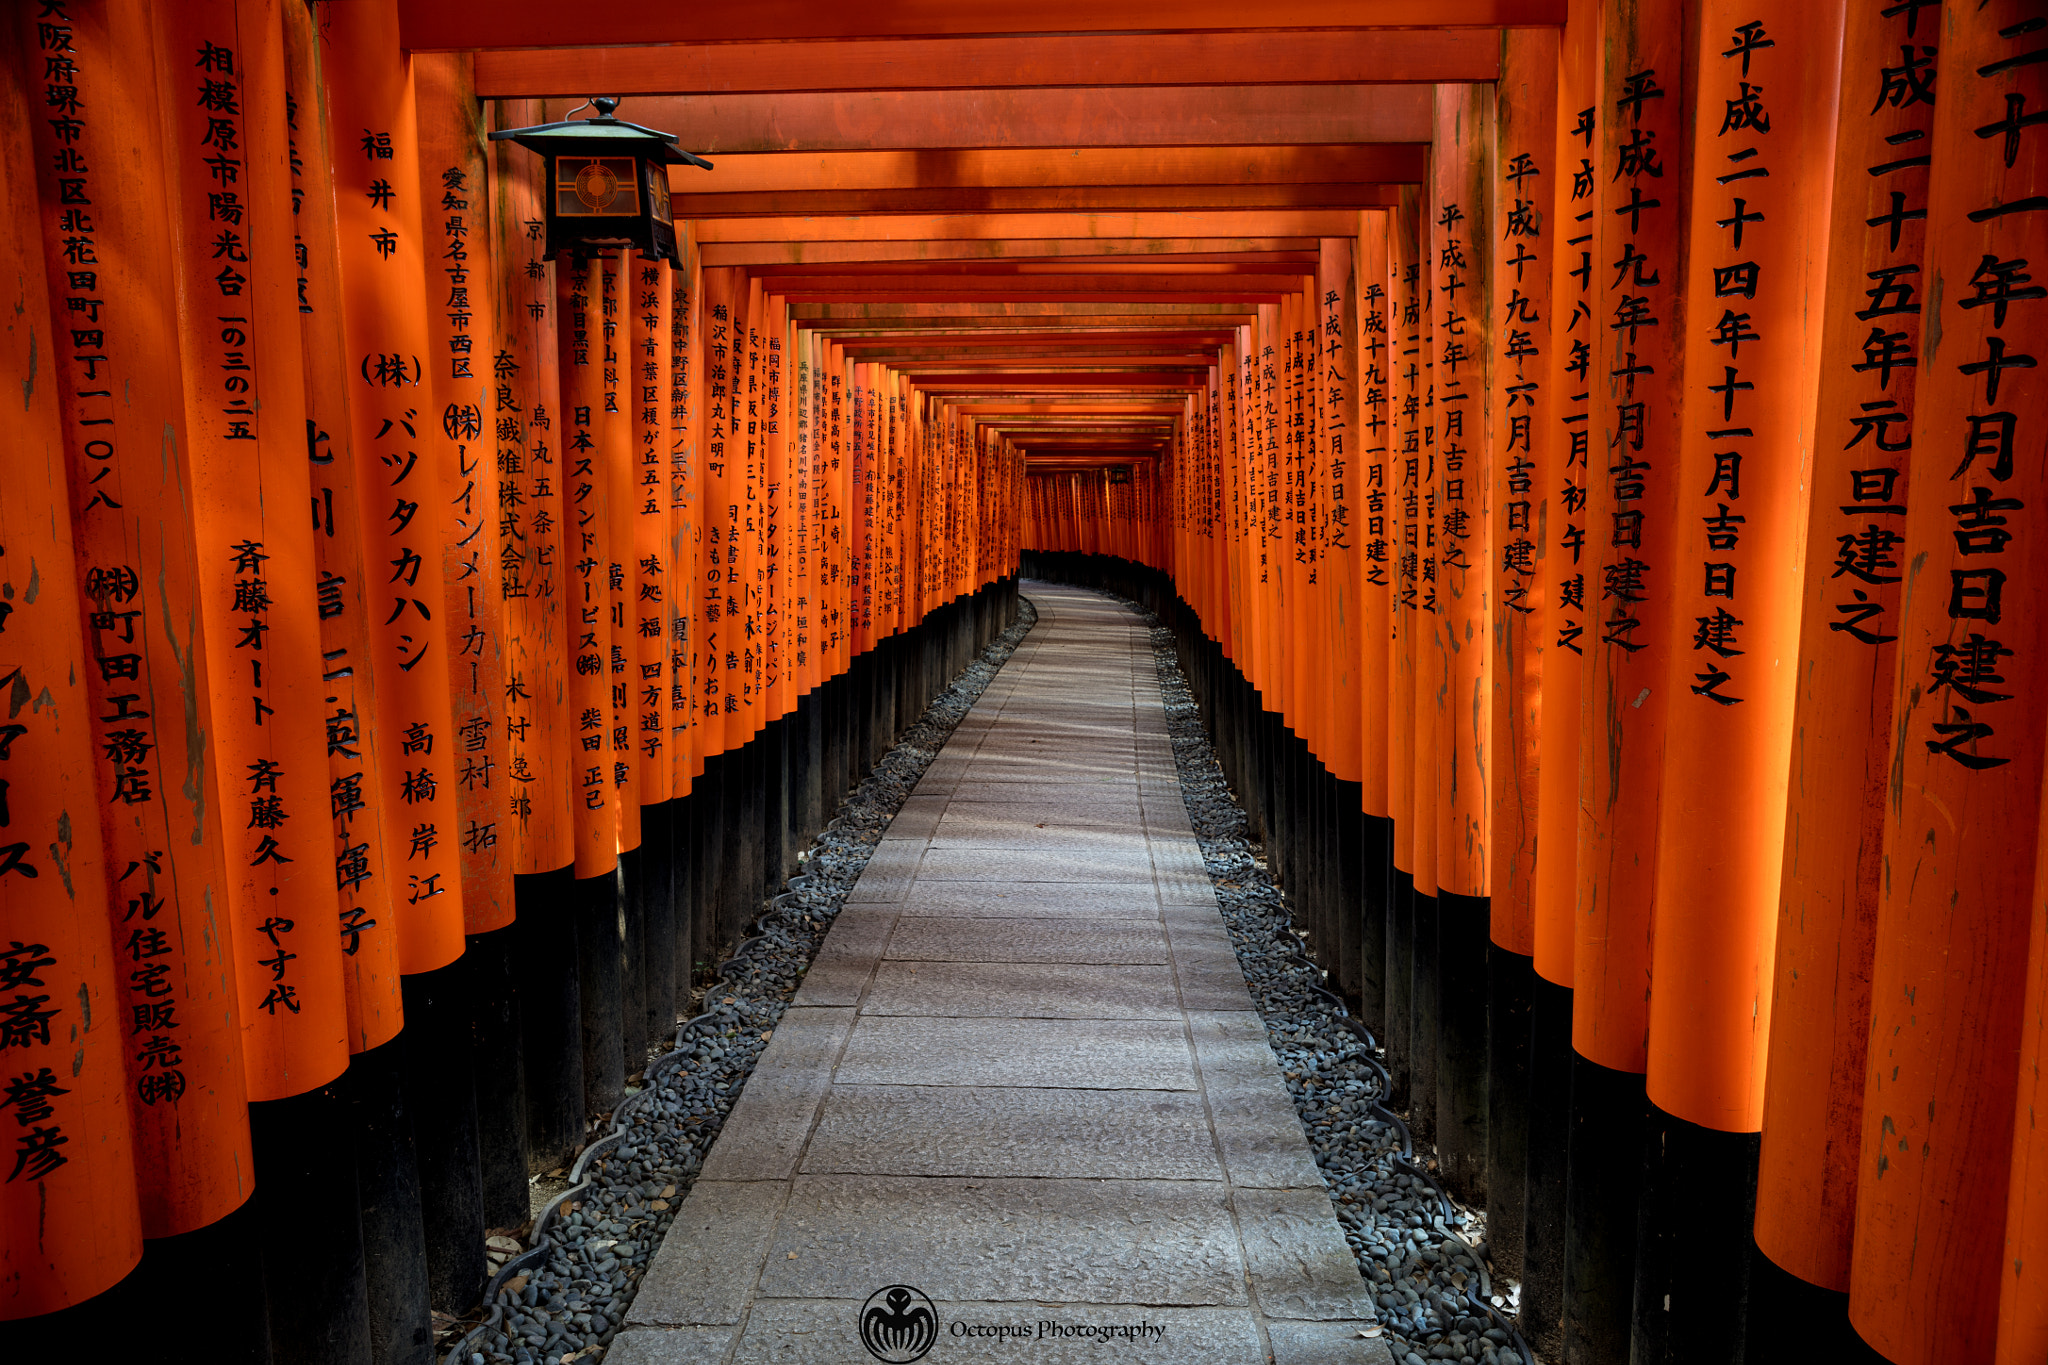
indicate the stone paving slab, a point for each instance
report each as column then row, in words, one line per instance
column 1022, row 990
column 767, row 1129
column 929, row 938
column 1023, row 1075
column 1257, row 1127
column 984, row 1131
column 1131, row 863
column 821, row 1332
column 847, row 957
column 1300, row 1266
column 1079, row 901
column 1058, row 1241
column 1107, row 1054
column 1327, row 1343
column 671, row 1346
column 711, row 1258
column 1029, row 828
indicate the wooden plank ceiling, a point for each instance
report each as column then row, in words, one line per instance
column 1052, row 214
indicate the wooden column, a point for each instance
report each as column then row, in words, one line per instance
column 345, row 590
column 404, row 461
column 1948, row 976
column 1813, row 1098
column 222, row 88
column 461, row 322
column 69, row 1198
column 97, row 140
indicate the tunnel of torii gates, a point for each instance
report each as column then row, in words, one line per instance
column 1591, row 455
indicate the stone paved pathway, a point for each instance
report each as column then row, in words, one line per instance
column 1023, row 1077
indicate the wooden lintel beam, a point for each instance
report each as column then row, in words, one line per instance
column 1053, row 167
column 904, row 295
column 797, row 253
column 1243, row 58
column 1055, row 199
column 475, row 25
column 996, row 227
column 1170, row 116
column 992, row 286
column 1069, row 341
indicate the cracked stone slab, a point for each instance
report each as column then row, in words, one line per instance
column 1058, row 1241
column 826, row 1332
column 1023, row 990
column 708, row 1263
column 930, row 938
column 847, row 957
column 767, row 1127
column 1257, row 1126
column 1033, row 900
column 1093, row 864
column 1104, row 1054
column 670, row 1346
column 1299, row 1263
column 980, row 1131
column 1325, row 1343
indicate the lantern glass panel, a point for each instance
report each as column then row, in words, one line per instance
column 597, row 187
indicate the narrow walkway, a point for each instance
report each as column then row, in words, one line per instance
column 1023, row 1077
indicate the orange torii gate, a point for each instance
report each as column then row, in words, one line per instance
column 1510, row 406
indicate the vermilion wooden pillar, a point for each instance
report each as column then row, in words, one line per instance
column 1732, row 665
column 1523, row 429
column 246, row 410
column 461, row 324
column 1949, row 973
column 1631, row 581
column 1461, row 236
column 1404, row 322
column 1561, row 557
column 367, row 923
column 138, row 587
column 1371, row 469
column 403, row 458
column 1842, row 740
column 70, row 1198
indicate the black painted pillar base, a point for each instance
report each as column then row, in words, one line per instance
column 1346, row 852
column 440, row 1090
column 1463, row 947
column 657, row 925
column 633, row 958
column 1425, row 1033
column 388, row 1183
column 1694, row 1238
column 220, row 1266
column 1792, row 1322
column 496, row 1038
column 546, row 955
column 600, row 951
column 683, row 887
column 1509, row 979
column 1376, row 886
column 1543, row 1204
column 1609, row 1113
column 310, row 1228
column 1399, row 1038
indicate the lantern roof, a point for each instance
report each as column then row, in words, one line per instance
column 602, row 135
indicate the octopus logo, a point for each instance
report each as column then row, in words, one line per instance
column 898, row 1324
